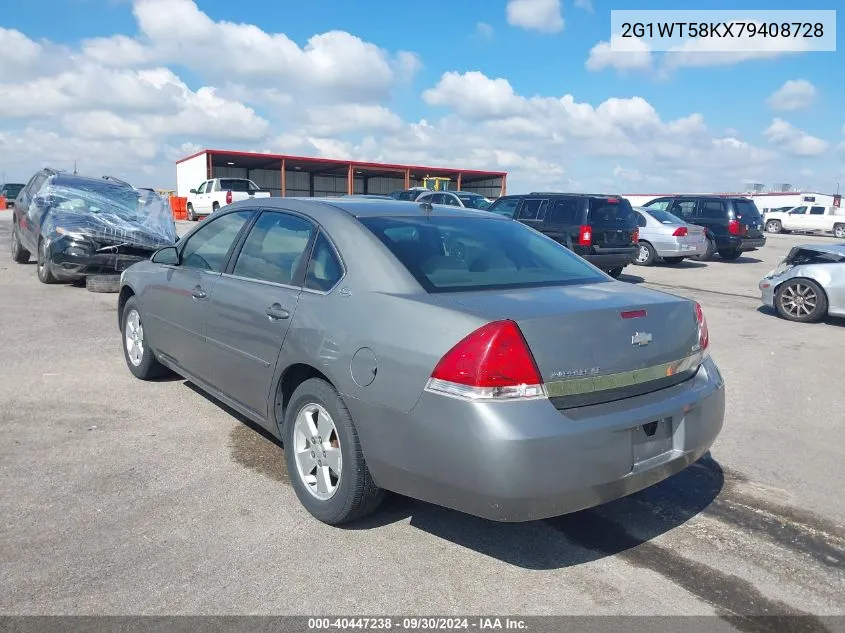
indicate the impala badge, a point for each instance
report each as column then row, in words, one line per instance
column 641, row 338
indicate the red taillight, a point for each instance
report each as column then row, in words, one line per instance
column 703, row 331
column 613, row 200
column 492, row 362
column 681, row 231
column 228, row 197
column 585, row 235
column 635, row 236
column 735, row 228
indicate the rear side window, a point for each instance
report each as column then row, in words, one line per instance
column 683, row 209
column 324, row 268
column 817, row 211
column 661, row 205
column 746, row 210
column 712, row 209
column 505, row 207
column 565, row 211
column 453, row 254
column 641, row 221
column 236, row 184
column 615, row 212
column 533, row 210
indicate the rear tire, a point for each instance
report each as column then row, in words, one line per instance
column 774, row 226
column 215, row 207
column 646, row 255
column 19, row 254
column 103, row 283
column 191, row 215
column 839, row 231
column 615, row 272
column 672, row 261
column 793, row 297
column 140, row 359
column 730, row 254
column 45, row 274
column 354, row 495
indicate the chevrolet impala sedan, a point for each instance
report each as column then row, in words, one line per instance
column 449, row 355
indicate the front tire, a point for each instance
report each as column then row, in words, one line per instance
column 646, row 255
column 215, row 207
column 774, row 226
column 801, row 300
column 136, row 350
column 839, row 230
column 19, row 254
column 45, row 274
column 324, row 457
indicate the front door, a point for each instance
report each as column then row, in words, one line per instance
column 796, row 219
column 253, row 306
column 176, row 304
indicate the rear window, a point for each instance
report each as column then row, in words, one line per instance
column 610, row 211
column 449, row 254
column 746, row 210
column 236, row 184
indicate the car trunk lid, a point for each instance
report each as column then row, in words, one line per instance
column 597, row 342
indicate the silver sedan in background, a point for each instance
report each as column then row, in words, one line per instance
column 666, row 237
column 808, row 284
column 449, row 355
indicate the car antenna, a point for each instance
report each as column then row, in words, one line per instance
column 74, row 168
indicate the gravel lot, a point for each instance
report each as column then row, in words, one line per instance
column 124, row 497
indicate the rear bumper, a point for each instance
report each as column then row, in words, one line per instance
column 522, row 461
column 742, row 243
column 617, row 258
column 676, row 248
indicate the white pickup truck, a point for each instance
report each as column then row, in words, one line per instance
column 218, row 192
column 807, row 219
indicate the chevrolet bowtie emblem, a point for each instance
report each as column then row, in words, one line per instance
column 641, row 339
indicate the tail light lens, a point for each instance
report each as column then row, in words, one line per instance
column 635, row 236
column 492, row 363
column 703, row 331
column 681, row 231
column 228, row 197
column 735, row 228
column 585, row 235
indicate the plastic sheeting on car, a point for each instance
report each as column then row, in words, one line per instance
column 111, row 214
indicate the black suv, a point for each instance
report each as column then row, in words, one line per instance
column 734, row 225
column 600, row 228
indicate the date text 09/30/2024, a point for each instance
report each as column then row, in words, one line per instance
column 417, row 623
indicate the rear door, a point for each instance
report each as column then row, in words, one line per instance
column 253, row 305
column 563, row 221
column 614, row 223
column 817, row 220
column 712, row 214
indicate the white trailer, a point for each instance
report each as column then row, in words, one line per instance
column 190, row 172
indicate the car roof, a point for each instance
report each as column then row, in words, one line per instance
column 363, row 207
column 574, row 195
column 70, row 180
column 834, row 249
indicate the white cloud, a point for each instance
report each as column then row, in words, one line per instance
column 484, row 31
column 793, row 140
column 545, row 16
column 636, row 56
column 586, row 5
column 795, row 94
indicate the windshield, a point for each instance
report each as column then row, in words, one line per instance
column 665, row 217
column 237, row 184
column 453, row 254
column 475, row 202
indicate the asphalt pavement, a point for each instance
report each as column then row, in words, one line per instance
column 124, row 497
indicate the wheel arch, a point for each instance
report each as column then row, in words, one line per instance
column 126, row 293
column 293, row 376
column 777, row 288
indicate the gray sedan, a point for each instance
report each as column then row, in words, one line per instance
column 808, row 284
column 446, row 354
column 665, row 237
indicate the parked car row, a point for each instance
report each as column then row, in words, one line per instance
column 87, row 229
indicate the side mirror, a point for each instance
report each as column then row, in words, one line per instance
column 168, row 255
column 193, row 190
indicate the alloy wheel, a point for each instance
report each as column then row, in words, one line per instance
column 317, row 451
column 134, row 338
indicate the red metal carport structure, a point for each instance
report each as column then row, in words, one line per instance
column 286, row 175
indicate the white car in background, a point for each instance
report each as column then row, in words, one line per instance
column 216, row 193
column 666, row 237
column 807, row 219
column 464, row 199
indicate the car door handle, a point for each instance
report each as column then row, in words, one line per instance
column 199, row 293
column 276, row 312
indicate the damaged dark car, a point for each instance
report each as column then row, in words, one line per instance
column 80, row 228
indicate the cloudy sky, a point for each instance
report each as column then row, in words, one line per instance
column 531, row 87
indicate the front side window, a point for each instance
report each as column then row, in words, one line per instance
column 683, row 209
column 324, row 267
column 798, row 211
column 506, row 207
column 274, row 248
column 453, row 254
column 208, row 248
